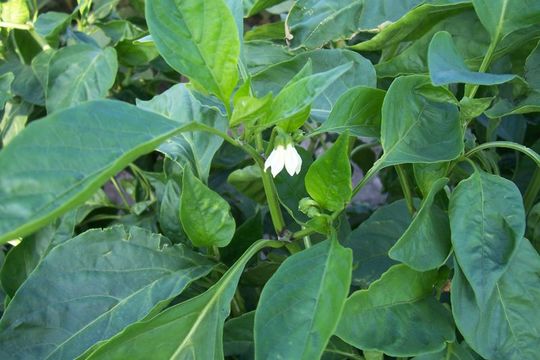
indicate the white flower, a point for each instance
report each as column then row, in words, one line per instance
column 284, row 157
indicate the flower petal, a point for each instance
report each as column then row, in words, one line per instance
column 291, row 159
column 298, row 164
column 278, row 160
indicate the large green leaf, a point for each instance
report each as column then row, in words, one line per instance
column 299, row 310
column 446, row 65
column 190, row 330
column 506, row 326
column 340, row 19
column 198, row 39
column 205, row 215
column 358, row 111
column 58, row 162
column 328, row 20
column 371, row 241
column 397, row 315
column 411, row 57
column 328, row 180
column 195, row 149
column 91, row 287
column 420, row 124
column 487, row 220
column 426, row 243
column 79, row 73
column 299, row 94
column 275, row 77
column 411, row 25
column 23, row 258
column 503, row 17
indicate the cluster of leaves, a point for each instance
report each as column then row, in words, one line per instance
column 144, row 226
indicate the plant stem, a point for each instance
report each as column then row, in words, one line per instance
column 307, row 241
column 532, row 191
column 273, row 201
column 379, row 164
column 470, row 92
column 367, row 177
column 507, row 145
column 120, row 192
column 15, row 26
column 406, row 187
column 268, row 183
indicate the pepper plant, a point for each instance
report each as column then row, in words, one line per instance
column 267, row 179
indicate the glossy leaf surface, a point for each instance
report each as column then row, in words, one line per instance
column 297, row 315
column 94, row 285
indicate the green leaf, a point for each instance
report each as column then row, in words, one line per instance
column 169, row 221
column 14, row 120
column 273, row 78
column 296, row 317
column 328, row 20
column 5, row 88
column 503, row 17
column 238, row 335
column 472, row 108
column 51, row 25
column 253, row 7
column 358, row 111
column 427, row 174
column 328, row 180
column 205, row 215
column 58, row 162
column 193, row 149
column 340, row 19
column 453, row 351
column 15, row 11
column 411, row 57
column 269, row 31
column 79, row 73
column 446, row 65
column 248, row 181
column 416, row 127
column 25, row 84
column 92, row 287
column 487, row 220
column 531, row 102
column 505, row 327
column 411, row 25
column 299, row 94
column 426, row 243
column 397, row 315
column 371, row 241
column 190, row 330
column 249, row 109
column 246, row 234
column 23, row 258
column 199, row 39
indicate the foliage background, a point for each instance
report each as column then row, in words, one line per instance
column 131, row 227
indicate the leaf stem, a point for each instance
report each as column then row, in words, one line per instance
column 406, row 187
column 120, row 192
column 508, row 145
column 532, row 191
column 470, row 92
column 268, row 183
column 10, row 25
